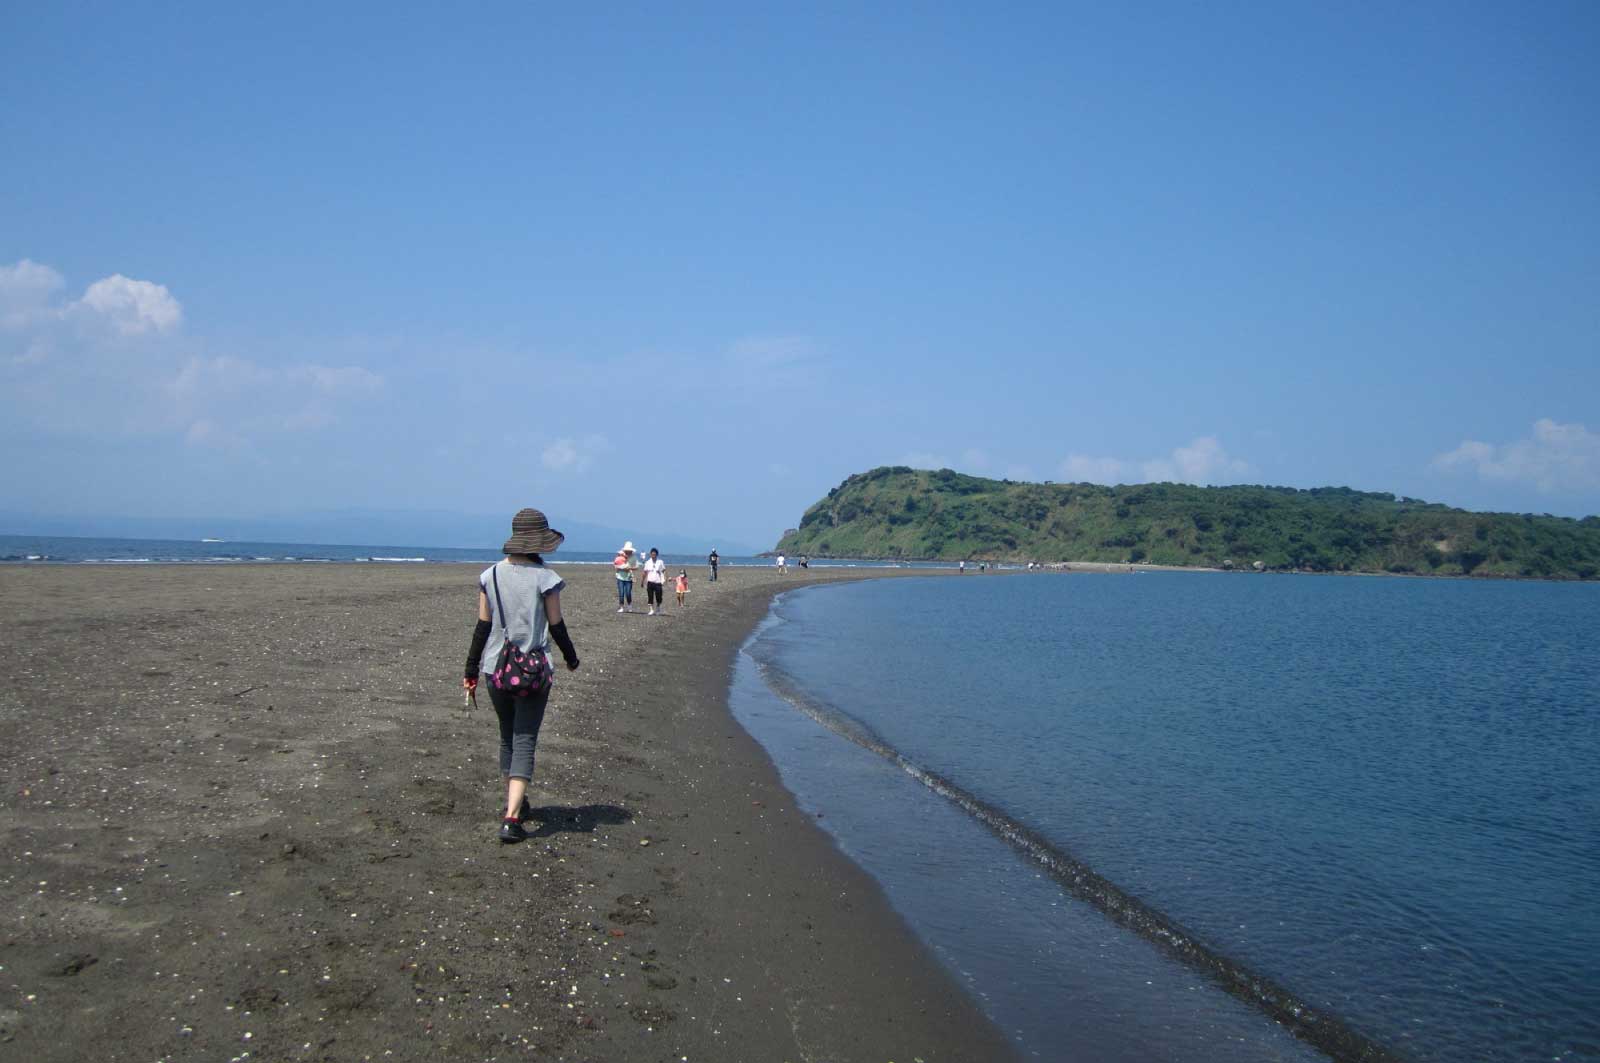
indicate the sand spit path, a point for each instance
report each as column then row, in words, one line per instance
column 244, row 817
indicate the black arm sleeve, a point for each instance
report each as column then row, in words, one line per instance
column 562, row 639
column 480, row 635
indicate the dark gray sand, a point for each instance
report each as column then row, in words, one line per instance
column 245, row 817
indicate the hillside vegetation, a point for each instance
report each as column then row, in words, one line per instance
column 898, row 512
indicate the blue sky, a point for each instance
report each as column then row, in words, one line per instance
column 683, row 269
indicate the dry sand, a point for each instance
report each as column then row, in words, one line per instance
column 245, row 817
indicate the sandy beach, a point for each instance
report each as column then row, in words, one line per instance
column 246, row 817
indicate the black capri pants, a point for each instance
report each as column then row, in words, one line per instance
column 652, row 592
column 520, row 720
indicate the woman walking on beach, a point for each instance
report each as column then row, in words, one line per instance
column 655, row 581
column 519, row 613
column 625, row 566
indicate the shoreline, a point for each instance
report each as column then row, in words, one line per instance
column 272, row 831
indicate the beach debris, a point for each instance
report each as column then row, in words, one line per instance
column 651, row 1013
column 632, row 910
column 75, row 964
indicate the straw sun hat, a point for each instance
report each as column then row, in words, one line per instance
column 531, row 534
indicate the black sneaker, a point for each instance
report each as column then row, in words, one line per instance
column 511, row 832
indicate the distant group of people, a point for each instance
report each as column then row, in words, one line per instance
column 625, row 564
column 783, row 563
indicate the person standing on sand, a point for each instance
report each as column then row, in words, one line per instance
column 625, row 567
column 655, row 581
column 519, row 601
column 682, row 585
column 783, row 564
column 713, row 559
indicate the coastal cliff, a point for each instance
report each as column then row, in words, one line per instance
column 913, row 514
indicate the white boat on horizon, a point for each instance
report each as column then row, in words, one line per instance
column 213, row 540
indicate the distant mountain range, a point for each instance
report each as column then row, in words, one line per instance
column 905, row 513
column 360, row 528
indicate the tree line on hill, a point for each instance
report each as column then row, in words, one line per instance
column 901, row 513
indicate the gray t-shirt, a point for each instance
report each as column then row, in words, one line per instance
column 522, row 589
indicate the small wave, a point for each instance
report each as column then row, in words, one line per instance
column 1320, row 1029
column 410, row 559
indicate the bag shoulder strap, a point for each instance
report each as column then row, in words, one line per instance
column 494, row 574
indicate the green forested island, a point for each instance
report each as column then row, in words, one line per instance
column 911, row 514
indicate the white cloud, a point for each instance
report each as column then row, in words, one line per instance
column 202, row 380
column 25, row 292
column 1556, row 457
column 227, row 401
column 130, row 307
column 1080, row 468
column 115, row 363
column 1203, row 460
column 574, row 455
column 33, row 352
column 337, row 380
column 114, row 306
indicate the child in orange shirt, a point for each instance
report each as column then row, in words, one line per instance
column 682, row 585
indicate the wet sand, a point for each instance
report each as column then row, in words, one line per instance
column 258, row 824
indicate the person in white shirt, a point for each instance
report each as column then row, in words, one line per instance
column 655, row 580
column 783, row 564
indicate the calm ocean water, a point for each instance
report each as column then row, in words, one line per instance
column 57, row 549
column 1376, row 801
